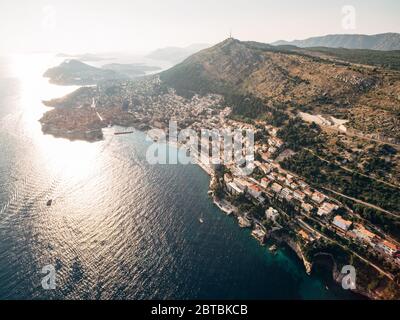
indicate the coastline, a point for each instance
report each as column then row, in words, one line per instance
column 283, row 240
column 229, row 209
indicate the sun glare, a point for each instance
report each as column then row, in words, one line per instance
column 75, row 159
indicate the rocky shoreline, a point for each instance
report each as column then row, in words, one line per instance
column 337, row 276
column 97, row 135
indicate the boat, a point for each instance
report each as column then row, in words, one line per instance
column 124, row 132
column 201, row 220
column 49, row 203
column 273, row 248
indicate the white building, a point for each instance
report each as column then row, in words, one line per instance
column 271, row 214
column 233, row 188
column 318, row 197
column 276, row 187
column 241, row 183
column 286, row 193
column 341, row 223
column 326, row 209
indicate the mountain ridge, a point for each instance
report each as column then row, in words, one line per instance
column 383, row 41
column 261, row 80
column 76, row 72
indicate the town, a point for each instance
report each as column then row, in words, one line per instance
column 276, row 203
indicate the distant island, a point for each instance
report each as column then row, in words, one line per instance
column 176, row 55
column 87, row 57
column 75, row 72
column 133, row 70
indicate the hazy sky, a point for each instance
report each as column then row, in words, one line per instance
column 78, row 26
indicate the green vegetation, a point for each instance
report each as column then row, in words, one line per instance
column 247, row 106
column 189, row 79
column 247, row 206
column 342, row 257
column 367, row 278
column 74, row 72
column 384, row 59
column 320, row 173
column 378, row 165
column 297, row 134
column 353, row 185
column 276, row 118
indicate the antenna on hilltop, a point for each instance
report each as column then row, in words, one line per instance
column 230, row 34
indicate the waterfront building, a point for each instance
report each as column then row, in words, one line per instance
column 242, row 184
column 233, row 188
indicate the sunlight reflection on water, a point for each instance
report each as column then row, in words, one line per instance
column 118, row 227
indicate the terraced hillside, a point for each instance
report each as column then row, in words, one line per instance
column 290, row 79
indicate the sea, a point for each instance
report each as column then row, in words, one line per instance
column 118, row 227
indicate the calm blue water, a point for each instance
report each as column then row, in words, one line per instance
column 119, row 228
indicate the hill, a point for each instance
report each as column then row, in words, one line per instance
column 384, row 41
column 263, row 81
column 87, row 57
column 383, row 59
column 75, row 72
